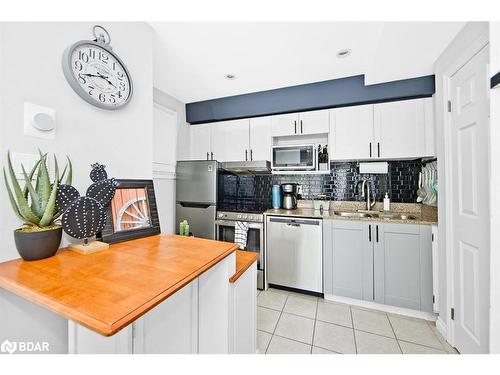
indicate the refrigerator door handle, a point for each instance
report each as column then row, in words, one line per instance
column 195, row 204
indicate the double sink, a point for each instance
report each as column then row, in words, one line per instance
column 376, row 215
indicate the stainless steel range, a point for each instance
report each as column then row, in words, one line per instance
column 224, row 231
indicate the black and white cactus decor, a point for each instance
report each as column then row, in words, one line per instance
column 84, row 217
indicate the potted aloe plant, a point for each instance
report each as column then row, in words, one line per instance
column 35, row 205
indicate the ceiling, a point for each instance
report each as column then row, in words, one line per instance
column 192, row 58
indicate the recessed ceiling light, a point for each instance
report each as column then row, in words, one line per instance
column 230, row 76
column 344, row 52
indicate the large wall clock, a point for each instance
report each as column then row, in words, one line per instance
column 96, row 73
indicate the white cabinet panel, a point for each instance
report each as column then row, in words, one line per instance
column 313, row 122
column 172, row 326
column 260, row 138
column 213, row 307
column 200, row 141
column 283, row 125
column 82, row 340
column 230, row 140
column 243, row 336
column 351, row 133
column 400, row 129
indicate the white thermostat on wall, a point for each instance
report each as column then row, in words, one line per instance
column 39, row 121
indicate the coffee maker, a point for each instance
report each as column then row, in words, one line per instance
column 289, row 196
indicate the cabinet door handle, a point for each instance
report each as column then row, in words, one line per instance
column 378, row 148
column 376, row 232
column 370, row 149
column 246, row 155
column 370, row 232
column 301, row 130
column 295, row 125
column 208, row 156
column 251, row 154
column 211, row 156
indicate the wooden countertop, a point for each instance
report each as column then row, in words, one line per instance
column 108, row 290
column 244, row 259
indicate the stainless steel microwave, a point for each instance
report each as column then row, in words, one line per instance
column 294, row 157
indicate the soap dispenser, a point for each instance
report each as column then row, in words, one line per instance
column 387, row 203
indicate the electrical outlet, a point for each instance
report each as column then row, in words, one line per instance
column 299, row 189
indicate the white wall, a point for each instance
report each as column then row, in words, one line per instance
column 494, row 192
column 30, row 71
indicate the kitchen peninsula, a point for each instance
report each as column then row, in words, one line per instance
column 160, row 294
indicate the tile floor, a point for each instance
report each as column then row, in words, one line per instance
column 292, row 323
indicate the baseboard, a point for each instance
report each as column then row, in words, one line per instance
column 386, row 308
column 442, row 328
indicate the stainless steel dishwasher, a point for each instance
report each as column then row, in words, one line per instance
column 295, row 253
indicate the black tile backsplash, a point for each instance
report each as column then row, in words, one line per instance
column 401, row 183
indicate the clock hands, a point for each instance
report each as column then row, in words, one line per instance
column 106, row 79
column 98, row 75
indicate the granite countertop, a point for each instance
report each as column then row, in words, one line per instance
column 423, row 215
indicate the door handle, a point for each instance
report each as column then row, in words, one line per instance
column 211, row 156
column 370, row 149
column 246, row 155
column 376, row 232
column 301, row 130
column 370, row 232
column 295, row 125
column 251, row 154
column 378, row 148
column 208, row 156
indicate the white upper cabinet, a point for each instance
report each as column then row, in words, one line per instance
column 230, row 140
column 260, row 138
column 313, row 122
column 200, row 141
column 402, row 129
column 285, row 124
column 351, row 133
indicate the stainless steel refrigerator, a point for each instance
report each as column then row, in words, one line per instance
column 196, row 196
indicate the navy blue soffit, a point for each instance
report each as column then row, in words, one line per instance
column 340, row 92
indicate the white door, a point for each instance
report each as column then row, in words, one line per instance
column 351, row 133
column 260, row 138
column 469, row 184
column 399, row 129
column 230, row 140
column 164, row 160
column 285, row 124
column 314, row 122
column 200, row 141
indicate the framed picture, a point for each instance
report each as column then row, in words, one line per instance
column 132, row 213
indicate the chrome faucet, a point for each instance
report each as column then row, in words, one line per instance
column 365, row 193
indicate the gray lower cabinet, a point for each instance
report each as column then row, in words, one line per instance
column 382, row 262
column 348, row 259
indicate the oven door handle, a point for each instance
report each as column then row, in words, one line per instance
column 231, row 223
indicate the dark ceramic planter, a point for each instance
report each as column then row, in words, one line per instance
column 38, row 245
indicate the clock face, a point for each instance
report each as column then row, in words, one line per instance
column 101, row 78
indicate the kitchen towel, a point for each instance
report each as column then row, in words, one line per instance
column 240, row 233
